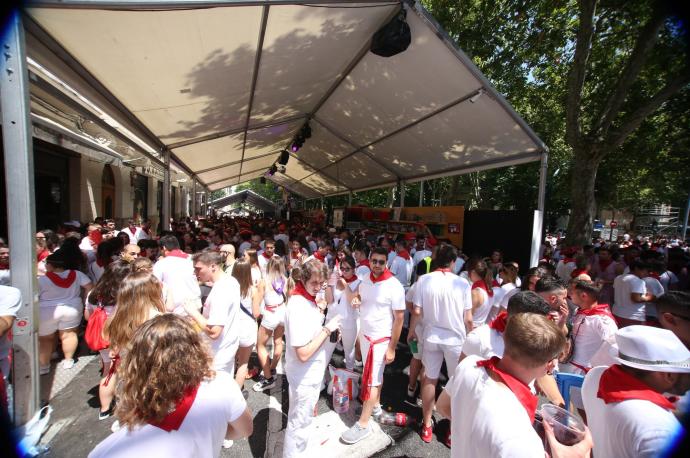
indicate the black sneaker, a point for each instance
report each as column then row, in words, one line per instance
column 411, row 398
column 264, row 383
column 104, row 415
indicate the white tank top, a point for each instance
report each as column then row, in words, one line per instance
column 271, row 296
column 480, row 314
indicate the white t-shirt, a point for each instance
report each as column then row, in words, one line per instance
column 135, row 236
column 563, row 270
column 362, row 271
column 10, row 303
column 590, row 333
column 484, row 342
column 88, row 249
column 51, row 295
column 5, row 277
column 511, row 290
column 624, row 307
column 263, row 262
column 95, row 272
column 303, row 322
column 487, row 419
column 668, row 278
column 342, row 307
column 220, row 309
column 443, row 297
column 656, row 289
column 218, row 402
column 178, row 275
column 628, row 429
column 419, row 255
column 459, row 263
column 379, row 300
column 402, row 269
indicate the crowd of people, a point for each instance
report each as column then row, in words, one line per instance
column 176, row 317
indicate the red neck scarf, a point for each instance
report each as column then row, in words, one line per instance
column 267, row 256
column 599, row 309
column 96, row 237
column 319, row 256
column 384, row 276
column 42, row 255
column 519, row 388
column 62, row 282
column 174, row 419
column 300, row 290
column 568, row 260
column 364, row 263
column 404, row 254
column 177, row 254
column 499, row 323
column 616, row 385
column 294, row 255
column 577, row 272
column 100, row 262
column 352, row 278
column 654, row 275
column 445, row 270
column 482, row 284
column 4, row 266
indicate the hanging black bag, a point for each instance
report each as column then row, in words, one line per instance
column 393, row 38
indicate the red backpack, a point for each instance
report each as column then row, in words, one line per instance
column 94, row 330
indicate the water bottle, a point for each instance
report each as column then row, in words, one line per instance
column 341, row 398
column 395, row 419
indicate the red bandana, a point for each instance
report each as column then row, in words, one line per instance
column 364, row 263
column 294, row 255
column 319, row 256
column 100, row 262
column 177, row 254
column 482, row 284
column 577, row 272
column 96, row 237
column 617, row 385
column 42, row 255
column 300, row 290
column 519, row 389
column 62, row 282
column 603, row 265
column 174, row 419
column 352, row 278
column 499, row 323
column 367, row 373
column 599, row 309
column 384, row 276
column 404, row 254
column 267, row 256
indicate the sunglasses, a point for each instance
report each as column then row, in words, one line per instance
column 380, row 262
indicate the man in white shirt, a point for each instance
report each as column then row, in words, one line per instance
column 4, row 266
column 555, row 293
column 266, row 254
column 630, row 295
column 625, row 406
column 361, row 255
column 489, row 402
column 245, row 235
column 218, row 320
column 420, row 250
column 402, row 265
column 10, row 302
column 282, row 235
column 654, row 289
column 381, row 315
column 176, row 271
column 674, row 314
column 135, row 233
column 445, row 301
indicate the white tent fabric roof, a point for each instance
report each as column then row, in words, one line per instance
column 226, row 85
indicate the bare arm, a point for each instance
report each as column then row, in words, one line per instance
column 306, row 351
column 257, row 296
column 443, row 405
column 467, row 317
column 6, row 323
column 547, row 384
column 242, row 427
column 477, row 299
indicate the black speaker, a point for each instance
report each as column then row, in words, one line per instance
column 393, row 38
column 262, row 180
column 284, row 157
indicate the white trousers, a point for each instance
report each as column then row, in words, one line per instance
column 348, row 336
column 303, row 399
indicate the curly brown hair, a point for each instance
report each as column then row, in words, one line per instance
column 167, row 357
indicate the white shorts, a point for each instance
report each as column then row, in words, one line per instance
column 419, row 331
column 272, row 319
column 433, row 355
column 379, row 361
column 58, row 317
column 248, row 334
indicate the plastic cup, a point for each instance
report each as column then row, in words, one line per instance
column 568, row 429
column 413, row 346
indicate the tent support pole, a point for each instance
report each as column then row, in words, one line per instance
column 349, row 199
column 193, row 199
column 421, row 193
column 21, row 213
column 538, row 223
column 165, row 224
column 402, row 193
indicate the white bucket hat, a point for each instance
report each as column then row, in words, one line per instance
column 651, row 349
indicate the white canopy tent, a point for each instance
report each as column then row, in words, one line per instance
column 220, row 88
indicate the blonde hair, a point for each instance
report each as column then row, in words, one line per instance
column 139, row 294
column 275, row 269
column 167, row 358
column 142, row 265
column 532, row 339
column 309, row 269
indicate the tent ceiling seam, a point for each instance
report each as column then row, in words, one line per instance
column 255, row 77
column 155, row 5
column 228, row 164
column 340, row 183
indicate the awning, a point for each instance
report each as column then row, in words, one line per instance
column 226, row 85
column 246, row 197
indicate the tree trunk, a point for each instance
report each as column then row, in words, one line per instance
column 582, row 180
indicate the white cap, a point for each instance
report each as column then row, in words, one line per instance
column 651, row 349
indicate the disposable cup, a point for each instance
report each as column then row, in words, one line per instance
column 568, row 429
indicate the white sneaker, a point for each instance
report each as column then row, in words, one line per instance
column 115, row 427
column 67, row 363
column 377, row 411
column 44, row 370
column 227, row 443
